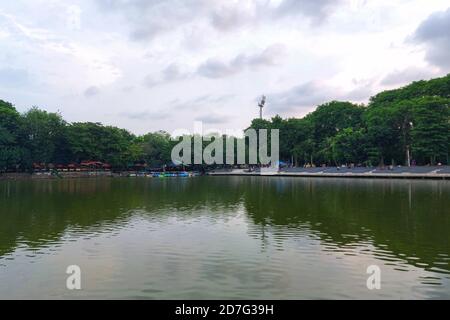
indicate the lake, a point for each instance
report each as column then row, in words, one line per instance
column 225, row 238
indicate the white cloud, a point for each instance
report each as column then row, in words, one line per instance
column 405, row 76
column 161, row 64
column 434, row 32
column 215, row 68
column 91, row 92
column 213, row 118
column 74, row 17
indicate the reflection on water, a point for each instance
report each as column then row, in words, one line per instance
column 225, row 237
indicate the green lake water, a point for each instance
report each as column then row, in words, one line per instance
column 225, row 238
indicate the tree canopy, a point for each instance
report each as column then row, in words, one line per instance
column 396, row 126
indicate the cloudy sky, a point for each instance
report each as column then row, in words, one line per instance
column 147, row 65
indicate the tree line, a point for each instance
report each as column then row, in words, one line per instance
column 400, row 127
column 41, row 137
column 410, row 124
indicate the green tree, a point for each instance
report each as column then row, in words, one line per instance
column 404, row 117
column 302, row 136
column 349, row 146
column 382, row 133
column 156, row 148
column 93, row 141
column 439, row 87
column 44, row 136
column 10, row 149
column 329, row 119
column 431, row 128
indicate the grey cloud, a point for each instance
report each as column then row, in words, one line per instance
column 147, row 115
column 305, row 95
column 199, row 103
column 150, row 82
column 148, row 19
column 148, row 32
column 202, row 101
column 435, row 35
column 120, row 4
column 128, row 89
column 231, row 19
column 407, row 75
column 213, row 118
column 169, row 74
column 91, row 92
column 316, row 10
column 268, row 57
column 360, row 94
column 221, row 98
column 214, row 68
column 313, row 93
column 172, row 73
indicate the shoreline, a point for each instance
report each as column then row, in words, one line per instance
column 341, row 175
column 346, row 175
column 61, row 175
column 429, row 173
column 48, row 176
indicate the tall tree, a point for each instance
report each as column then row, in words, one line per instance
column 10, row 149
column 44, row 135
column 93, row 141
column 329, row 119
column 156, row 148
column 431, row 128
column 349, row 146
column 303, row 144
